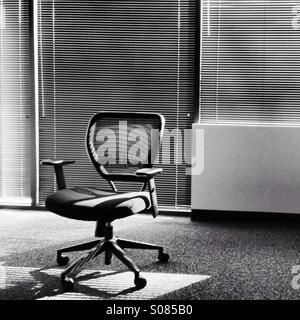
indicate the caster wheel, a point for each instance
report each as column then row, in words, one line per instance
column 140, row 283
column 67, row 284
column 62, row 261
column 163, row 257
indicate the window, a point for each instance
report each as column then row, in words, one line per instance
column 115, row 55
column 250, row 62
column 15, row 103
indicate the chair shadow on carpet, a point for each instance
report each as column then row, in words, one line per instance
column 28, row 278
column 43, row 285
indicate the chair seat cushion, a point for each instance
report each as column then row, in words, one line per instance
column 96, row 205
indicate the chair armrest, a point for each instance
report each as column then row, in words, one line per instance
column 145, row 175
column 59, row 172
column 149, row 172
column 52, row 162
column 125, row 177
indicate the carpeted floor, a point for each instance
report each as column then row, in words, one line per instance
column 209, row 260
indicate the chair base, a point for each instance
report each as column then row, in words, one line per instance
column 110, row 246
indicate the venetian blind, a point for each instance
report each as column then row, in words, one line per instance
column 250, row 62
column 109, row 56
column 14, row 103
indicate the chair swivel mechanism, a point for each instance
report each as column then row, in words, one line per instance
column 122, row 147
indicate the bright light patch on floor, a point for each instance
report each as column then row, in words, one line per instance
column 93, row 284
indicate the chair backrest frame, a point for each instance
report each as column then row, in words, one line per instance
column 101, row 116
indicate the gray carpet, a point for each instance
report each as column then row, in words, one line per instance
column 245, row 260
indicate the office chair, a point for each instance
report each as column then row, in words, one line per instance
column 109, row 137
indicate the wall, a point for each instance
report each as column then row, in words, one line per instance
column 249, row 168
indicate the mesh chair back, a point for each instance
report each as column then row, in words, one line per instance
column 119, row 142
